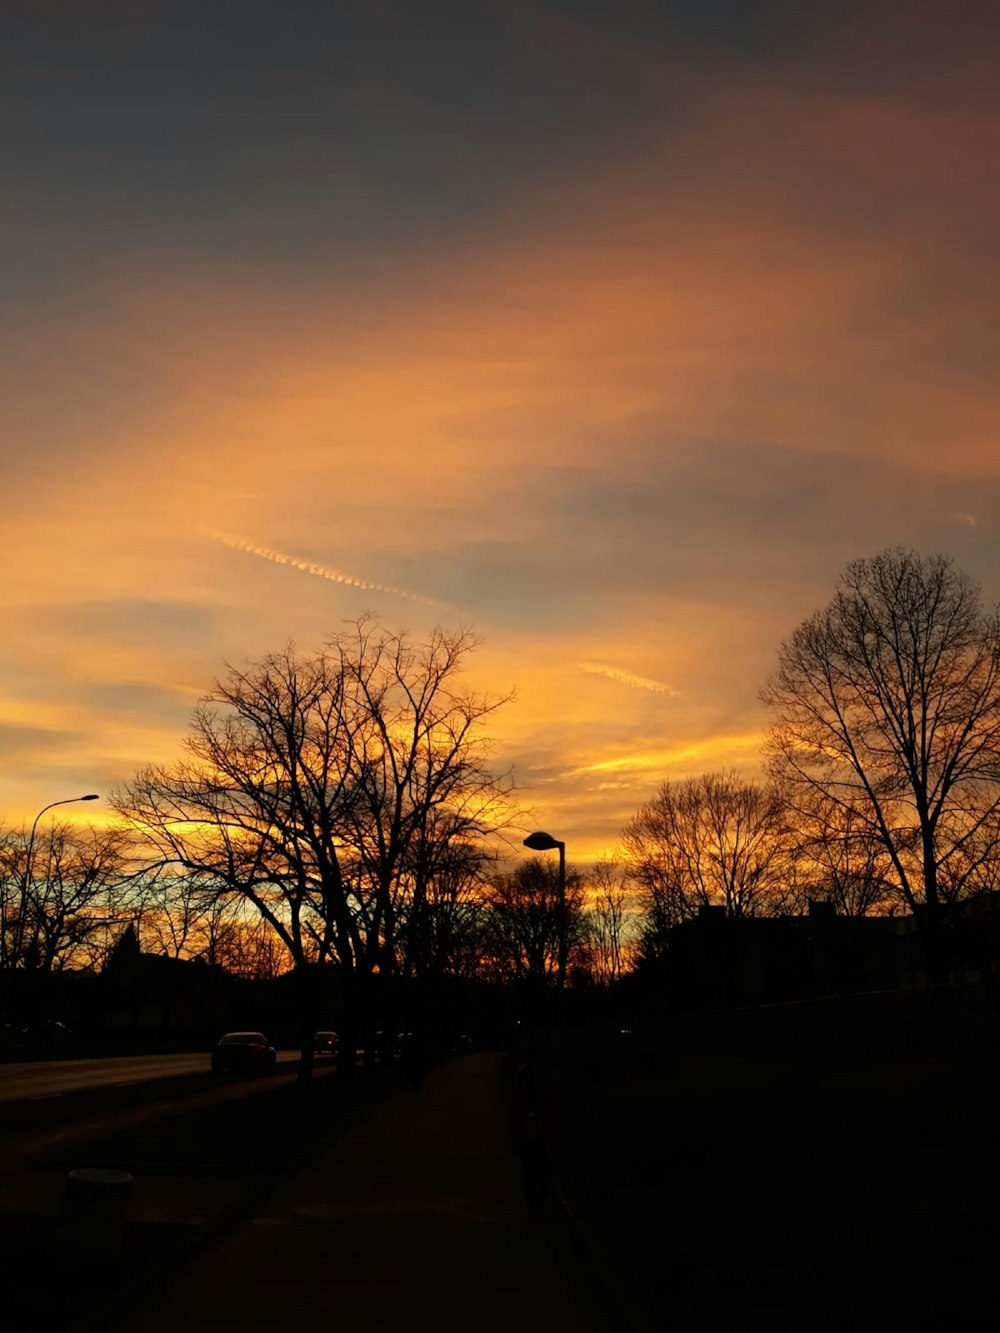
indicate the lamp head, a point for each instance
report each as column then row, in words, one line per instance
column 92, row 797
column 542, row 842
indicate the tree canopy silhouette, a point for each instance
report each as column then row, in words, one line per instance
column 886, row 708
column 718, row 840
column 320, row 789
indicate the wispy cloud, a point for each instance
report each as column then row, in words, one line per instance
column 717, row 750
column 316, row 569
column 627, row 678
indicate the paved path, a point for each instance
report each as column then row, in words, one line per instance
column 413, row 1221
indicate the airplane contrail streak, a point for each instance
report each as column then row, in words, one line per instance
column 316, row 569
column 627, row 678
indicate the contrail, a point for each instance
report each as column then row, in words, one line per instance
column 315, row 568
column 627, row 678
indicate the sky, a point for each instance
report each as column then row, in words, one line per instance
column 610, row 330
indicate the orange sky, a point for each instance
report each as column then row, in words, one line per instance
column 615, row 348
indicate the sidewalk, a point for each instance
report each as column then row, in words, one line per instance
column 415, row 1220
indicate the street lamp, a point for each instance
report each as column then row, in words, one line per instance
column 67, row 801
column 30, row 850
column 544, row 842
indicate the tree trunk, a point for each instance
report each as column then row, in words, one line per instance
column 931, row 926
column 307, row 1023
column 350, row 1028
column 931, row 919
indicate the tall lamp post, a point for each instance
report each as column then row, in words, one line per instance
column 544, row 842
column 30, row 850
column 31, row 838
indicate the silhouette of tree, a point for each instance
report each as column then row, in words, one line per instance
column 309, row 781
column 717, row 840
column 180, row 915
column 887, row 704
column 840, row 861
column 246, row 948
column 524, row 923
column 607, row 922
column 124, row 954
column 54, row 913
column 425, row 796
column 440, row 922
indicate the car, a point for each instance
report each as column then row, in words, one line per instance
column 49, row 1029
column 325, row 1043
column 243, row 1053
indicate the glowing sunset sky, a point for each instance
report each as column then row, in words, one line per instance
column 612, row 330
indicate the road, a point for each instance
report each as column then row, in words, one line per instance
column 32, row 1080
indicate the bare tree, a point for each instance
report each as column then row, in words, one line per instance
column 525, row 923
column 14, row 902
column 425, row 795
column 840, row 861
column 717, row 840
column 56, row 893
column 248, row 948
column 179, row 915
column 440, row 910
column 887, row 704
column 608, row 923
column 974, row 867
column 257, row 806
column 308, row 780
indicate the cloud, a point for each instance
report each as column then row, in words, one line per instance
column 713, row 751
column 20, row 742
column 156, row 623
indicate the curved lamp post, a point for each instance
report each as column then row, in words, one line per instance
column 544, row 842
column 31, row 838
column 30, row 850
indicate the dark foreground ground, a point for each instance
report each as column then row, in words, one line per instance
column 812, row 1167
column 197, row 1171
column 827, row 1166
column 376, row 1206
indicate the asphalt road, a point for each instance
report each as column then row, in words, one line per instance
column 52, row 1078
